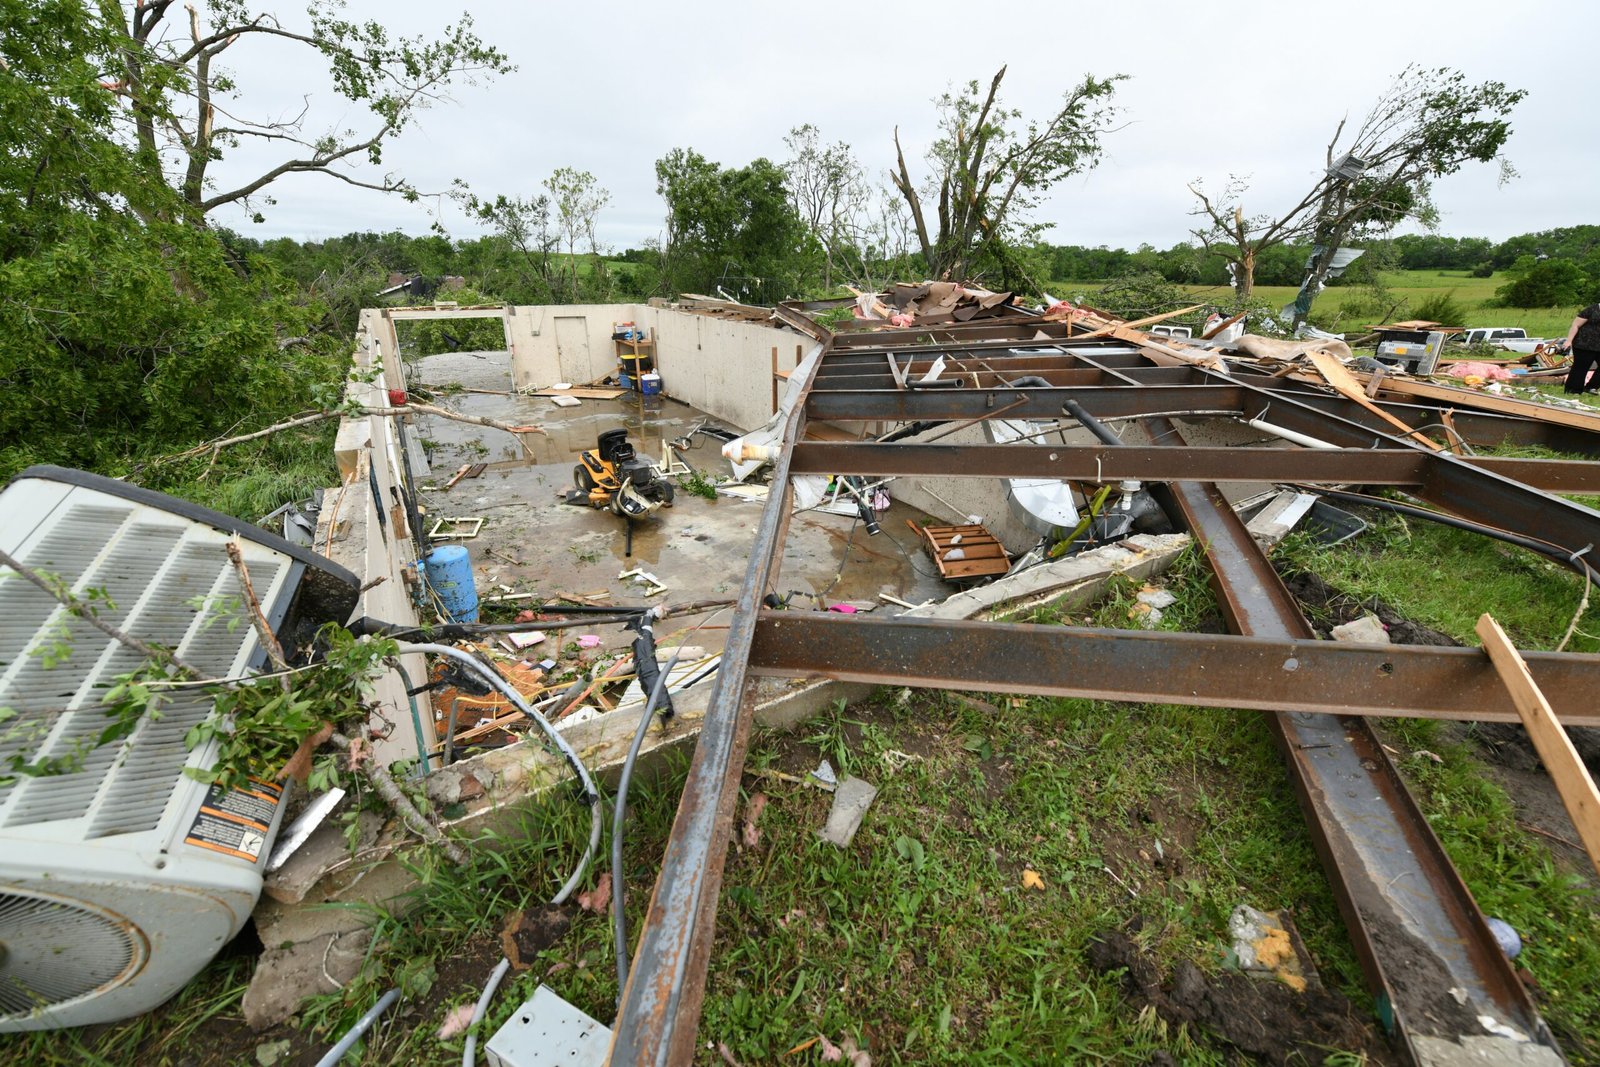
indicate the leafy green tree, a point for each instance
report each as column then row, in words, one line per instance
column 1547, row 283
column 184, row 111
column 990, row 169
column 576, row 199
column 1426, row 125
column 124, row 331
column 829, row 194
column 733, row 227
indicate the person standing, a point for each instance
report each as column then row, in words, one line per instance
column 1583, row 341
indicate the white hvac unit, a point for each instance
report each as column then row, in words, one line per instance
column 120, row 880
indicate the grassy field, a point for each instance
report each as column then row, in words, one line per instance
column 1413, row 286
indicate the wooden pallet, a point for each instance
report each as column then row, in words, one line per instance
column 980, row 555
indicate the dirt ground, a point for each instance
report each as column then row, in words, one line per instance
column 1505, row 747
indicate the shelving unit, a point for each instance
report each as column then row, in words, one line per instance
column 635, row 356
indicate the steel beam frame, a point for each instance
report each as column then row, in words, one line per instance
column 1313, row 687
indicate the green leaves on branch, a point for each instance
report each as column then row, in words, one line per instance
column 990, row 167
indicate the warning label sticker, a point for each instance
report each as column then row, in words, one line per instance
column 235, row 821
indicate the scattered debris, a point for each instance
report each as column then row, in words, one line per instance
column 466, row 470
column 1263, row 1019
column 752, row 814
column 456, row 1021
column 850, row 802
column 1510, row 941
column 655, row 587
column 597, row 899
column 528, row 639
column 1367, row 630
column 1266, row 944
column 824, row 776
column 1148, row 604
column 965, row 553
column 1280, row 515
column 457, row 528
column 526, row 934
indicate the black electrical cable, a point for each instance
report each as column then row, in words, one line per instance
column 1548, row 549
column 645, row 666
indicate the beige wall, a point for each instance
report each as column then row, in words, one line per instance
column 720, row 366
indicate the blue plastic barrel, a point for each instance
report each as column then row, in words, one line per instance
column 449, row 570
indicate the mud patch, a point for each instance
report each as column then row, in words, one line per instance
column 1326, row 607
column 1266, row 1020
column 1503, row 743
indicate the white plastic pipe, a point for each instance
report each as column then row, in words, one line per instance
column 1291, row 435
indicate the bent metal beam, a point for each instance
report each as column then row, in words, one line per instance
column 1313, row 686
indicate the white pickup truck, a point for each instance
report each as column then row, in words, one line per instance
column 1493, row 335
column 1511, row 338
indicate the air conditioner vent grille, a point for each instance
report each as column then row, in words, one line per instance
column 169, row 582
column 52, row 952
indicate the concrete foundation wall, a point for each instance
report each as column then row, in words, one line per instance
column 376, row 546
column 721, row 366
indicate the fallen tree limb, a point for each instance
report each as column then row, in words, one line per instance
column 215, row 447
column 391, row 794
column 402, row 806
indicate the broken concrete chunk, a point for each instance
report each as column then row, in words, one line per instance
column 850, row 803
column 1366, row 630
column 1155, row 597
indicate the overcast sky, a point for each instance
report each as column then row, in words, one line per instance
column 1247, row 87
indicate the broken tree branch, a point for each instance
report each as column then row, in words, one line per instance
column 215, row 447
column 258, row 619
column 402, row 805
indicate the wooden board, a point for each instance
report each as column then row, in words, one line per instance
column 1567, row 771
column 1338, row 375
column 582, row 392
column 983, row 554
column 1402, row 390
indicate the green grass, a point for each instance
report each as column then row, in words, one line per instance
column 1473, row 294
column 1445, row 579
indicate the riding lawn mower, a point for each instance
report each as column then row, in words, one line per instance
column 613, row 475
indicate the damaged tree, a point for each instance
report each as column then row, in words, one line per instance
column 990, row 170
column 1426, row 125
column 182, row 107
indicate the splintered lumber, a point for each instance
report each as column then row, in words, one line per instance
column 1106, row 331
column 1338, row 376
column 1402, row 389
column 582, row 392
column 1223, row 325
column 1567, row 772
column 466, row 470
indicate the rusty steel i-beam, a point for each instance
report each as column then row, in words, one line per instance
column 1375, row 843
